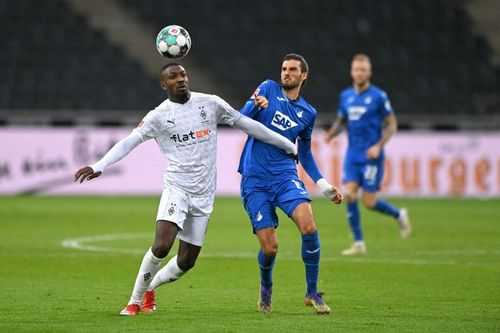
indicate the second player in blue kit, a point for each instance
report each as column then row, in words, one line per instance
column 270, row 180
column 371, row 122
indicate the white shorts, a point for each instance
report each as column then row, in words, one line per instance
column 190, row 213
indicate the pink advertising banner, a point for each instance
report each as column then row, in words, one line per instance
column 43, row 161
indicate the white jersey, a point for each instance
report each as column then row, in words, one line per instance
column 187, row 137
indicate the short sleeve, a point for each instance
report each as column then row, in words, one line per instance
column 385, row 105
column 226, row 114
column 147, row 127
column 341, row 111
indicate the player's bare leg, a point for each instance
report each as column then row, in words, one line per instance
column 268, row 240
column 164, row 238
column 304, row 219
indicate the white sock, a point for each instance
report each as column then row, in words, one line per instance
column 149, row 267
column 169, row 273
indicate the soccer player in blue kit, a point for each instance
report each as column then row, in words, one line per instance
column 370, row 123
column 270, row 180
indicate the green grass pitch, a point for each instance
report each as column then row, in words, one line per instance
column 446, row 278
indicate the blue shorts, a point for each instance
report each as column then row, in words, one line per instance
column 368, row 175
column 261, row 197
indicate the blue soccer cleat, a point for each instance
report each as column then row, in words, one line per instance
column 265, row 305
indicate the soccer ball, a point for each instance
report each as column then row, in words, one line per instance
column 173, row 41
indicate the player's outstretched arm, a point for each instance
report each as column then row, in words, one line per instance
column 262, row 133
column 116, row 153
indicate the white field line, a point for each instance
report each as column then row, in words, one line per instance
column 82, row 243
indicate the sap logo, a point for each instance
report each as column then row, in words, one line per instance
column 190, row 135
column 282, row 121
column 356, row 112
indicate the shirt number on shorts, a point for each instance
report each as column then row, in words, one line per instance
column 370, row 174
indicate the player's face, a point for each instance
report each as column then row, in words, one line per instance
column 291, row 74
column 175, row 81
column 361, row 72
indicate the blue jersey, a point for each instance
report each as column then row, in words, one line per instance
column 292, row 119
column 365, row 113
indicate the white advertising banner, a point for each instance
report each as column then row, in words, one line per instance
column 43, row 161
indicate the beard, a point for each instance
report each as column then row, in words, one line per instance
column 290, row 85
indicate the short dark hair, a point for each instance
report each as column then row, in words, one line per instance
column 304, row 67
column 170, row 64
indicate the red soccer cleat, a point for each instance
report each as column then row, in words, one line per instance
column 148, row 302
column 130, row 310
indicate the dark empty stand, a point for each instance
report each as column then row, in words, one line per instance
column 52, row 60
column 424, row 52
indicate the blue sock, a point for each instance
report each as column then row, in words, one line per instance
column 310, row 256
column 266, row 264
column 386, row 208
column 354, row 220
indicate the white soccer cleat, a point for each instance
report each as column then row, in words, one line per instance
column 404, row 223
column 356, row 248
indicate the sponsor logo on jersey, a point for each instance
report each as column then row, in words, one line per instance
column 191, row 135
column 299, row 113
column 282, row 121
column 356, row 112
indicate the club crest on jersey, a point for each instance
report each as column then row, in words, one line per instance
column 368, row 100
column 356, row 112
column 203, row 113
column 171, row 210
column 282, row 121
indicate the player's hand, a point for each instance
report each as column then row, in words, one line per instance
column 86, row 173
column 260, row 101
column 329, row 191
column 373, row 152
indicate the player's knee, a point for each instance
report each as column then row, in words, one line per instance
column 308, row 229
column 270, row 249
column 351, row 196
column 160, row 251
column 369, row 204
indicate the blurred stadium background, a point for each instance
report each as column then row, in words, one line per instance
column 72, row 64
column 77, row 75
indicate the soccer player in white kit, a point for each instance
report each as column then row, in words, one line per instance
column 185, row 127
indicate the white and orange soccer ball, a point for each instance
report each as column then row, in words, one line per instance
column 173, row 41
